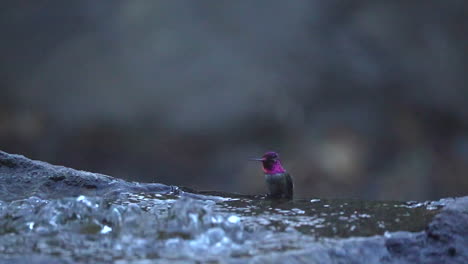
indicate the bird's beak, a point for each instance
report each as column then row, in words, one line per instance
column 257, row 159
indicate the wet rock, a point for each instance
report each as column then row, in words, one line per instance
column 21, row 177
column 62, row 215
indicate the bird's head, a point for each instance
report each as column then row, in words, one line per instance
column 271, row 163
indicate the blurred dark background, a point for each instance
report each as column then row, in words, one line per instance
column 362, row 99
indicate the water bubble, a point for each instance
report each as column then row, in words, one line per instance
column 30, row 225
column 105, row 229
column 381, row 224
column 298, row 211
column 215, row 235
column 86, row 201
column 233, row 219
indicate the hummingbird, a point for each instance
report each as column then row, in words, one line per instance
column 279, row 182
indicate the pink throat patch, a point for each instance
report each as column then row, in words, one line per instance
column 276, row 168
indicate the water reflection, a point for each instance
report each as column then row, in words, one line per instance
column 334, row 218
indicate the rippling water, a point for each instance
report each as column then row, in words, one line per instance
column 196, row 227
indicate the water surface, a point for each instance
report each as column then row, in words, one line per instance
column 206, row 227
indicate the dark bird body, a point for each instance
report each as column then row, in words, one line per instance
column 279, row 185
column 279, row 182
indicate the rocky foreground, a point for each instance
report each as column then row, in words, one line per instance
column 53, row 214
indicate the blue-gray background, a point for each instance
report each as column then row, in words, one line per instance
column 362, row 99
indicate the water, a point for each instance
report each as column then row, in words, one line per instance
column 178, row 226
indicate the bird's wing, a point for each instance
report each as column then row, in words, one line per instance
column 289, row 186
